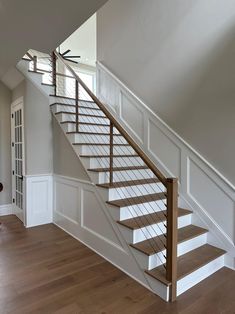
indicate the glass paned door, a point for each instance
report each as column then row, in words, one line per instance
column 18, row 159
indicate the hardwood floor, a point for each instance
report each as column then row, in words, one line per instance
column 44, row 270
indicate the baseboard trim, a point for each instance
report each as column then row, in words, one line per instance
column 6, row 209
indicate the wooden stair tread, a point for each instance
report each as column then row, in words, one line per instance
column 47, row 84
column 107, row 156
column 184, row 234
column 128, row 183
column 36, row 72
column 81, row 114
column 137, row 200
column 189, row 262
column 101, row 144
column 118, row 168
column 94, row 133
column 85, row 123
column 143, row 221
column 73, row 106
column 26, row 59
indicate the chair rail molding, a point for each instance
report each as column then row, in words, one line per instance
column 201, row 186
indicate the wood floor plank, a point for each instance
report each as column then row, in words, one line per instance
column 43, row 270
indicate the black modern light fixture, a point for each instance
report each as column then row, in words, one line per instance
column 65, row 56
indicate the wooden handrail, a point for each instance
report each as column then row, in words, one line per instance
column 117, row 125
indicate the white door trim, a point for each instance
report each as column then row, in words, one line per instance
column 18, row 103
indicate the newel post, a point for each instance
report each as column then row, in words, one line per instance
column 172, row 235
column 77, row 104
column 53, row 61
column 111, row 154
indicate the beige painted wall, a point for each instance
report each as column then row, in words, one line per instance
column 5, row 144
column 179, row 57
column 46, row 147
column 66, row 163
column 19, row 91
column 38, row 129
column 38, row 132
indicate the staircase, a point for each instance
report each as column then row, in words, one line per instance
column 172, row 252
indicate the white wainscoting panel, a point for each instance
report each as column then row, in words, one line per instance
column 93, row 218
column 213, row 200
column 39, row 200
column 6, row 209
column 164, row 150
column 79, row 210
column 202, row 187
column 67, row 196
column 132, row 116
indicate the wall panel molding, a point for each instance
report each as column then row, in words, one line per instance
column 94, row 227
column 38, row 200
column 202, row 187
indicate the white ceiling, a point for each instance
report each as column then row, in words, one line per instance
column 83, row 42
column 40, row 25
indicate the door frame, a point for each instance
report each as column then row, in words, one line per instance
column 18, row 103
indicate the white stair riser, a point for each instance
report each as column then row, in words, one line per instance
column 128, row 212
column 69, row 109
column 90, row 138
column 71, row 127
column 117, row 162
column 102, row 150
column 200, row 274
column 151, row 231
column 71, row 117
column 139, row 235
column 150, row 262
column 130, row 191
column 64, row 100
column 141, row 209
column 62, row 105
column 159, row 288
column 103, row 177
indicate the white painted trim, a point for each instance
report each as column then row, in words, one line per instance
column 6, row 209
column 18, row 212
column 74, row 179
column 39, row 200
column 110, row 91
column 194, row 151
column 198, row 275
column 39, row 175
